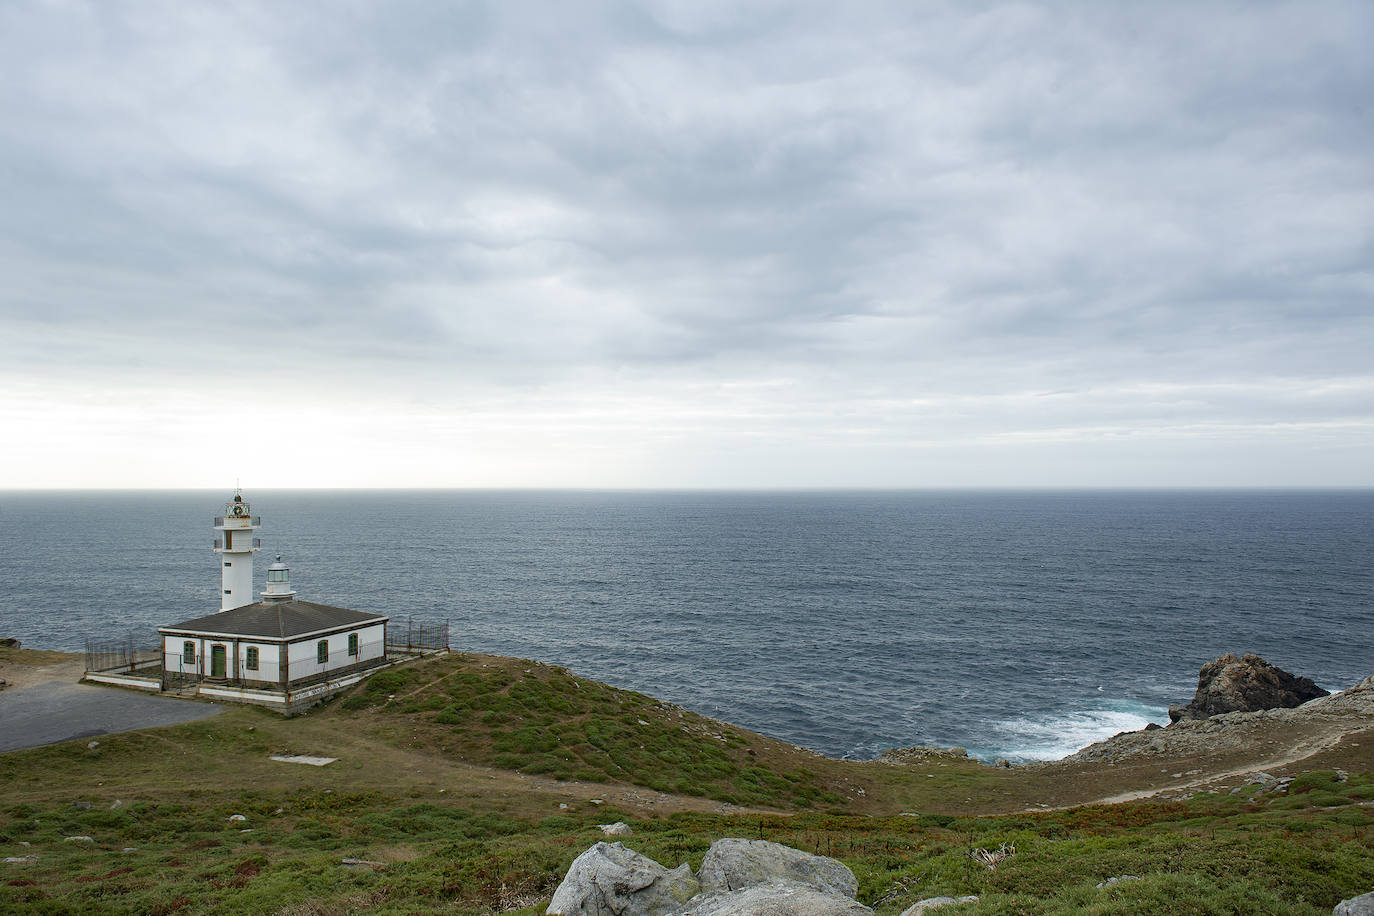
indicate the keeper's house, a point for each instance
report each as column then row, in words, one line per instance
column 286, row 645
column 280, row 651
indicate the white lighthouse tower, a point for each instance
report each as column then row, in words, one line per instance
column 235, row 543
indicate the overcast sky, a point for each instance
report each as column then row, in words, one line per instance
column 686, row 244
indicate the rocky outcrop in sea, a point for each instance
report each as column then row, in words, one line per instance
column 1245, row 684
column 1238, row 730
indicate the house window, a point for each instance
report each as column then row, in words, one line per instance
column 251, row 661
column 188, row 653
column 352, row 643
column 322, row 652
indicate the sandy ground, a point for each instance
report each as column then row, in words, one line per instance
column 45, row 705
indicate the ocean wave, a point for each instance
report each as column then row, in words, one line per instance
column 1054, row 735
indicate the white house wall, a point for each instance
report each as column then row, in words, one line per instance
column 269, row 657
column 172, row 658
column 269, row 661
column 304, row 657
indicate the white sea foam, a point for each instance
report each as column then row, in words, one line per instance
column 1054, row 736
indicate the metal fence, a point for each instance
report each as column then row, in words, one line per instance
column 122, row 653
column 414, row 635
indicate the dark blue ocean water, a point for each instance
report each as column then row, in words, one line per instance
column 1020, row 624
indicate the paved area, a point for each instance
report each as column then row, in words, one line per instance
column 52, row 712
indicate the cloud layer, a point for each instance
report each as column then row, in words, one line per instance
column 689, row 243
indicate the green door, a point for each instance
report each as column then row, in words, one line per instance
column 217, row 663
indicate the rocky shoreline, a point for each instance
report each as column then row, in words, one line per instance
column 1209, row 753
column 1231, row 728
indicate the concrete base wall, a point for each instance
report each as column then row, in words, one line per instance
column 125, row 680
column 288, row 702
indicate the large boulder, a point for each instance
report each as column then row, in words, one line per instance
column 776, row 898
column 921, row 907
column 1245, row 684
column 1362, row 905
column 610, row 880
column 733, row 864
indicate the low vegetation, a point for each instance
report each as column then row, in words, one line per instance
column 541, row 720
column 467, row 786
column 1296, row 854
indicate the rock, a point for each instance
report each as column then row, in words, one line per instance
column 82, row 806
column 610, row 879
column 92, row 745
column 775, row 898
column 1118, row 879
column 619, row 828
column 362, row 863
column 1266, row 782
column 9, row 642
column 1002, row 763
column 733, row 864
column 20, row 860
column 1245, row 684
column 1362, row 905
column 237, row 818
column 919, row 752
column 116, row 805
column 931, row 903
column 77, row 839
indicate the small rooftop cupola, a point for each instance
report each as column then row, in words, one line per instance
column 278, row 583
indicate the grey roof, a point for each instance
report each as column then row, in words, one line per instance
column 276, row 620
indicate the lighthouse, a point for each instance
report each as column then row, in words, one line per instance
column 235, row 543
column 278, row 583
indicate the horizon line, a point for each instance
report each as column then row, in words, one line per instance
column 807, row 488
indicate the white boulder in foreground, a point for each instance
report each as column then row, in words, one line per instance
column 1362, row 905
column 932, row 903
column 732, row 865
column 738, row 878
column 776, row 898
column 610, row 880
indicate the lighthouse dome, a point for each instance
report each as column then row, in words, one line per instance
column 278, row 582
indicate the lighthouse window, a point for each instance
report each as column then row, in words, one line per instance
column 352, row 643
column 188, row 653
column 228, row 564
column 322, row 652
column 251, row 661
column 228, row 591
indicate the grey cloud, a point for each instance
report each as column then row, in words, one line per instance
column 988, row 195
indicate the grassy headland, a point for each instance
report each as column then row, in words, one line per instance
column 471, row 782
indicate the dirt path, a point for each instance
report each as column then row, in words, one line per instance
column 1312, row 748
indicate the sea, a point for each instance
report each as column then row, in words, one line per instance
column 1016, row 624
